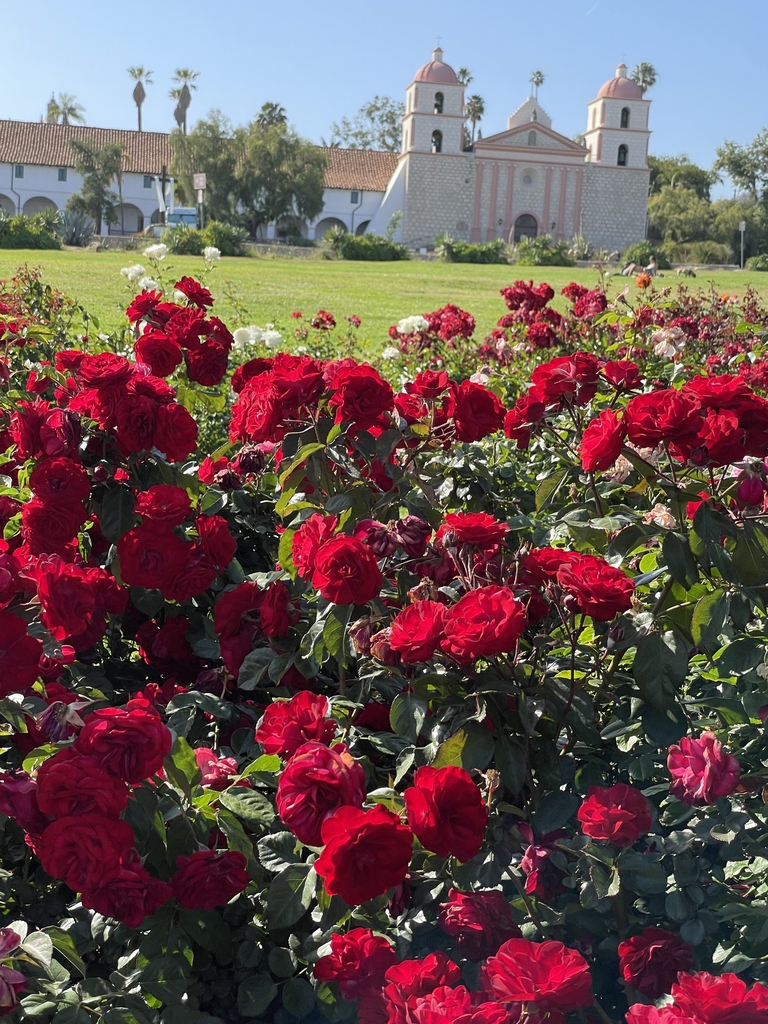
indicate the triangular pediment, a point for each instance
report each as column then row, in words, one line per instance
column 517, row 138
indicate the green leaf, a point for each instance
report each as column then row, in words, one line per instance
column 181, row 767
column 65, row 944
column 238, row 840
column 750, row 555
column 554, row 811
column 207, row 929
column 510, row 760
column 548, row 488
column 660, row 667
column 407, row 715
column 335, row 632
column 148, row 601
column 285, row 552
column 290, row 895
column 255, row 995
column 281, row 962
column 72, row 1015
column 269, row 763
column 709, row 618
column 680, row 561
column 709, row 528
column 39, row 945
column 471, row 747
column 117, row 513
column 664, row 727
column 254, row 667
column 165, row 978
column 278, row 851
column 298, row 997
column 249, row 805
column 300, row 458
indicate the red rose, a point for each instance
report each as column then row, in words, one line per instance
column 720, row 1000
column 651, row 962
column 619, row 814
column 429, row 384
column 417, row 631
column 127, row 893
column 414, row 979
column 569, row 380
column 289, row 724
column 81, row 849
column 207, row 364
column 18, row 800
column 298, row 380
column 475, row 410
column 623, row 374
column 346, row 571
column 186, row 326
column 446, row 1005
column 176, row 432
column 143, row 303
column 477, row 528
column 701, row 770
column 195, row 576
column 361, row 396
column 194, row 291
column 104, row 370
column 478, row 922
column 69, row 783
column 446, row 812
column 257, row 414
column 130, row 743
column 482, row 623
column 666, row 415
column 50, row 527
column 366, row 853
column 136, row 423
column 209, row 879
column 543, row 564
column 548, row 974
column 640, row 1013
column 164, row 504
column 151, row 556
column 313, row 785
column 216, row 540
column 159, row 352
column 412, row 534
column 236, row 621
column 602, row 441
column 74, row 600
column 217, row 772
column 601, row 591
column 277, row 612
column 590, row 304
column 20, row 655
column 60, row 480
column 358, row 961
column 248, row 370
column 306, row 541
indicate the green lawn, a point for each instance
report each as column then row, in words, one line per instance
column 379, row 293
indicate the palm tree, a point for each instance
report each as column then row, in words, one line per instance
column 64, row 109
column 271, row 114
column 645, row 75
column 536, row 79
column 140, row 75
column 464, row 76
column 185, row 84
column 474, row 110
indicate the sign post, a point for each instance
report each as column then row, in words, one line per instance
column 198, row 182
column 742, row 229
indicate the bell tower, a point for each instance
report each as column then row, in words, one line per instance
column 434, row 110
column 617, row 124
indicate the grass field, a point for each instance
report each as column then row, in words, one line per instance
column 380, row 293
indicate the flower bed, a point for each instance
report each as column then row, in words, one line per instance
column 429, row 695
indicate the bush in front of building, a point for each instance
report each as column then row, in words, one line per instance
column 183, row 240
column 641, row 252
column 452, row 251
column 365, row 247
column 21, row 232
column 759, row 262
column 542, row 252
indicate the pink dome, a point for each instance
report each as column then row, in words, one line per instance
column 621, row 87
column 435, row 72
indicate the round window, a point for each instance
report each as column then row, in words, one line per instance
column 527, row 179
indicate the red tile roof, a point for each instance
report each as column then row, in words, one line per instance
column 47, row 145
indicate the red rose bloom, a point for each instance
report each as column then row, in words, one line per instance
column 619, row 814
column 18, row 799
column 136, row 423
column 127, row 893
column 74, row 600
column 478, row 922
column 207, row 365
column 176, row 432
column 248, row 370
column 164, row 504
column 429, row 384
column 307, row 540
column 130, row 743
column 195, row 576
column 81, row 849
column 209, row 879
column 446, row 811
column 447, row 1005
column 104, row 370
column 477, row 528
column 194, row 291
column 366, row 853
column 217, row 772
column 69, row 783
column 641, row 1013
column 483, row 622
column 277, row 612
column 417, row 630
column 151, row 556
column 144, row 303
column 20, row 655
column 602, row 441
column 60, row 480
column 570, row 380
column 548, row 974
column 216, row 540
column 313, row 785
column 651, row 962
column 361, row 396
column 666, row 415
column 346, row 571
column 412, row 980
column 701, row 770
column 623, row 374
column 601, row 591
column 543, row 564
column 475, row 410
column 720, row 1000
column 289, row 724
column 49, row 527
column 298, row 380
column 358, row 961
column 159, row 352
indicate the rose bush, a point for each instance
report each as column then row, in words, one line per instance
column 334, row 693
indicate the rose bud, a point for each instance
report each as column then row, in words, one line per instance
column 381, row 650
column 412, row 534
column 360, row 635
column 377, row 536
column 750, row 488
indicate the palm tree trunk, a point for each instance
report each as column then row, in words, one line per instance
column 138, row 107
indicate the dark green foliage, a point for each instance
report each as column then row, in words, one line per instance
column 365, row 247
column 22, row 232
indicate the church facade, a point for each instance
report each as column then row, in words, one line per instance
column 525, row 181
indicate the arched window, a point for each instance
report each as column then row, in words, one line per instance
column 438, row 103
column 531, row 138
column 622, row 160
column 437, row 141
column 625, row 117
column 525, row 227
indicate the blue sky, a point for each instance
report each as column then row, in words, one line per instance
column 322, row 60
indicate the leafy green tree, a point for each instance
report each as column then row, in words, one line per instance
column 464, row 76
column 746, row 166
column 536, row 79
column 474, row 109
column 141, row 76
column 682, row 173
column 64, row 109
column 98, row 167
column 645, row 75
column 376, row 125
column 271, row 114
column 211, row 148
column 679, row 214
column 727, row 214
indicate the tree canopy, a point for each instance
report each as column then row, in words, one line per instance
column 376, row 125
column 746, row 166
column 98, row 167
column 682, row 172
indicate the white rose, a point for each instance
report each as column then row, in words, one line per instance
column 242, row 336
column 147, row 283
column 211, row 253
column 158, row 251
column 390, row 352
column 412, row 325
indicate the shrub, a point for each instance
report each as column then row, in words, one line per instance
column 35, row 232
column 705, row 251
column 75, row 228
column 759, row 262
column 183, row 240
column 364, row 247
column 641, row 252
column 542, row 252
column 452, row 251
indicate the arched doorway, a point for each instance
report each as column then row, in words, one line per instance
column 526, row 226
column 7, row 205
column 325, row 225
column 37, row 205
column 130, row 220
column 362, row 228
